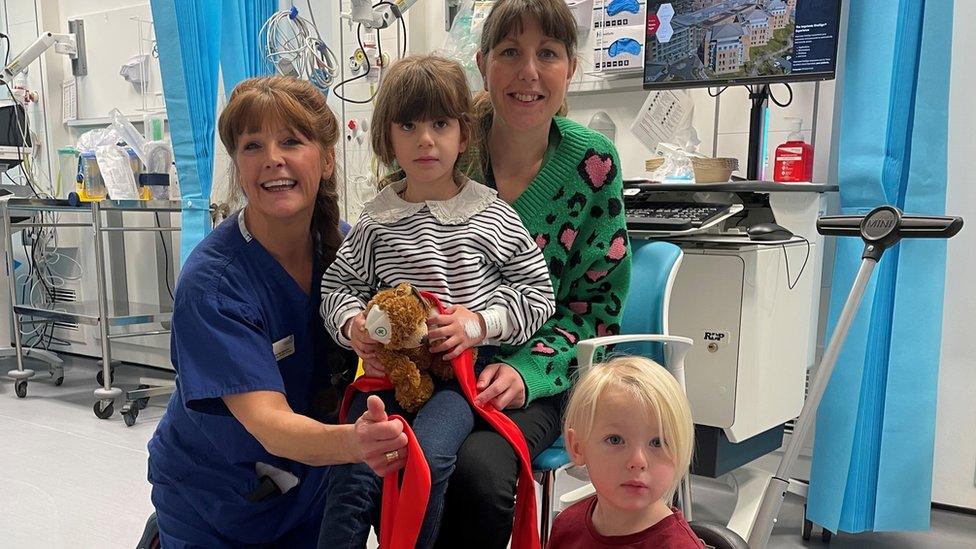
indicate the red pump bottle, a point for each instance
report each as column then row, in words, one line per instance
column 794, row 159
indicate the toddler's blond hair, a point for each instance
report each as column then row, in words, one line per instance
column 655, row 388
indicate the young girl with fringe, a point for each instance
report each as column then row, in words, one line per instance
column 445, row 234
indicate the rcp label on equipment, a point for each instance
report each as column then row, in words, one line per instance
column 714, row 339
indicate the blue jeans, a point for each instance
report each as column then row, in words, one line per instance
column 353, row 500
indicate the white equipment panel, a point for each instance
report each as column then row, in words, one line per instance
column 753, row 345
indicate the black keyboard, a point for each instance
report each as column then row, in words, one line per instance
column 644, row 214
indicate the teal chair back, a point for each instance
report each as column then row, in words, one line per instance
column 654, row 267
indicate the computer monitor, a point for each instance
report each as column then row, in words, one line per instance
column 13, row 124
column 15, row 141
column 699, row 43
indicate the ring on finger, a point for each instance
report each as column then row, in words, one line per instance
column 392, row 456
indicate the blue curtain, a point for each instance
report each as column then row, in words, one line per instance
column 875, row 435
column 188, row 37
column 241, row 56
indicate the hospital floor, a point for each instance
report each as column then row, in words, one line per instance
column 68, row 479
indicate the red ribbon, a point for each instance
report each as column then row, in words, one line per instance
column 404, row 506
column 403, row 509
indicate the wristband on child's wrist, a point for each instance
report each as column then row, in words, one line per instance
column 493, row 323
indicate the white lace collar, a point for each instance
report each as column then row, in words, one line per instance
column 389, row 207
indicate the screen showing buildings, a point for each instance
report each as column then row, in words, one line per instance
column 716, row 42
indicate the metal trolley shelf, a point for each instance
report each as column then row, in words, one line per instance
column 103, row 312
column 86, row 312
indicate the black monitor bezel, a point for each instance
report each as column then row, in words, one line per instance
column 772, row 79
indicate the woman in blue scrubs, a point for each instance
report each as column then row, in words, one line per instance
column 239, row 457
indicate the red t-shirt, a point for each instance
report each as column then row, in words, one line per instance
column 573, row 529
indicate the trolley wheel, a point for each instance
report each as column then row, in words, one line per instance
column 807, row 526
column 20, row 387
column 825, row 535
column 130, row 416
column 58, row 381
column 104, row 408
column 100, row 377
column 141, row 403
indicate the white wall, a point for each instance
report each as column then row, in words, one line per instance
column 728, row 136
column 955, row 450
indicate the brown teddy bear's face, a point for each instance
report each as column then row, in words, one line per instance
column 398, row 317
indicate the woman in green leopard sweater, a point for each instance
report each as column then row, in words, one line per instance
column 564, row 181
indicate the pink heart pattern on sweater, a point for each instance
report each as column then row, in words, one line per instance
column 602, row 330
column 541, row 348
column 597, row 169
column 571, row 338
column 541, row 240
column 594, row 275
column 568, row 236
column 579, row 307
column 618, row 247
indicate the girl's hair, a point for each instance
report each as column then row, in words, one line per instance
column 655, row 388
column 419, row 87
column 256, row 104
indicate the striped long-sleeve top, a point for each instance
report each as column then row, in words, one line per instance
column 470, row 250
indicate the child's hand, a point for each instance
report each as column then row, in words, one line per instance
column 459, row 329
column 364, row 345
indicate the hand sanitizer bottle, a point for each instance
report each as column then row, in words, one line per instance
column 794, row 159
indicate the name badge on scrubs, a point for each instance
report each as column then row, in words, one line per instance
column 284, row 348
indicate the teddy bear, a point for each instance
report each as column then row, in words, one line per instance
column 397, row 318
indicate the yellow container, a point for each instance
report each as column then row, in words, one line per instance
column 90, row 185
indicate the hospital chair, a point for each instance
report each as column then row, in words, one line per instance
column 644, row 331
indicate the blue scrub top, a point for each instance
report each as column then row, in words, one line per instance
column 235, row 307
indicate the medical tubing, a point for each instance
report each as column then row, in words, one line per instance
column 788, row 101
column 792, row 283
column 311, row 16
column 717, row 93
column 379, row 49
column 162, row 242
column 335, row 89
column 291, row 48
column 399, row 16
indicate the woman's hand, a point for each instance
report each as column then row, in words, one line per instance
column 382, row 442
column 459, row 328
column 364, row 345
column 502, row 386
